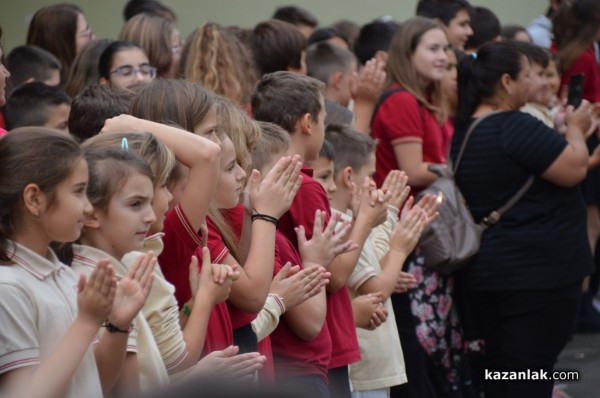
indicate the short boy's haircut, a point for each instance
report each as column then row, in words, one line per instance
column 276, row 46
column 444, row 10
column 535, row 54
column 373, row 37
column 324, row 34
column 337, row 114
column 284, row 97
column 273, row 140
column 30, row 104
column 26, row 62
column 323, row 59
column 327, row 151
column 485, row 25
column 94, row 105
column 352, row 148
column 296, row 15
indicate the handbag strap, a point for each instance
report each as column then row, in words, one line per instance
column 467, row 136
column 382, row 98
column 494, row 216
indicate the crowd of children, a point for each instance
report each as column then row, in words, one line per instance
column 236, row 212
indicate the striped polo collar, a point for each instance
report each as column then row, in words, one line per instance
column 36, row 265
column 88, row 256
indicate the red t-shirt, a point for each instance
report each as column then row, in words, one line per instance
column 340, row 318
column 218, row 252
column 400, row 119
column 180, row 243
column 586, row 64
column 235, row 219
column 294, row 356
column 238, row 318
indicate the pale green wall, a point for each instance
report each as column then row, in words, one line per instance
column 106, row 20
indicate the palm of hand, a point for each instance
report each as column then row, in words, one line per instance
column 129, row 299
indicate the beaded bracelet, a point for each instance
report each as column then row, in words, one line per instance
column 110, row 328
column 264, row 217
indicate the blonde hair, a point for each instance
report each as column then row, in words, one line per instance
column 158, row 156
column 401, row 70
column 153, row 34
column 240, row 128
column 209, row 57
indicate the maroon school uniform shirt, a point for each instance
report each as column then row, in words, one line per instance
column 180, row 243
column 235, row 219
column 340, row 318
column 586, row 64
column 400, row 119
column 294, row 356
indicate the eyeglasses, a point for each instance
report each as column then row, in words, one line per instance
column 129, row 71
column 87, row 32
column 177, row 49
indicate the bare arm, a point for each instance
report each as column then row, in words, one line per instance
column 366, row 88
column 273, row 196
column 129, row 379
column 213, row 287
column 306, row 320
column 571, row 166
column 131, row 294
column 51, row 378
column 409, row 157
column 197, row 153
column 372, row 211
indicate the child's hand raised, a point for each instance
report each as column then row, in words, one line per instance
column 132, row 291
column 214, row 280
column 273, row 195
column 373, row 203
column 295, row 287
column 325, row 245
column 396, row 184
column 369, row 82
column 430, row 204
column 227, row 363
column 122, row 123
column 96, row 295
column 407, row 232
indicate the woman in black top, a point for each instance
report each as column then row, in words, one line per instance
column 523, row 286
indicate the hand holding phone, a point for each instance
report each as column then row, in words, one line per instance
column 575, row 94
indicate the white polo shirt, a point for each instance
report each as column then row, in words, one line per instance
column 382, row 364
column 38, row 304
column 153, row 372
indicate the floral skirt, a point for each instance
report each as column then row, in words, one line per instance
column 438, row 327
